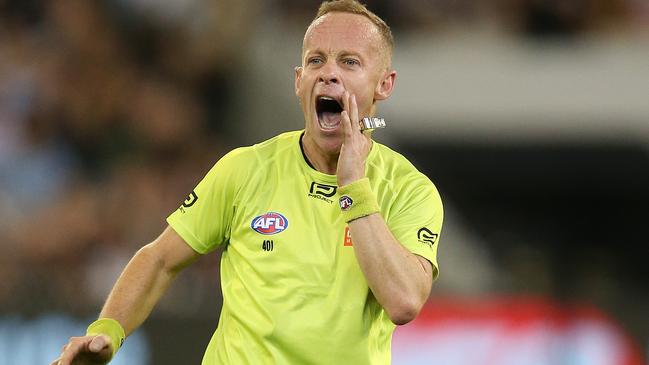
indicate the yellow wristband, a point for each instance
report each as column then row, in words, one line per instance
column 110, row 328
column 357, row 200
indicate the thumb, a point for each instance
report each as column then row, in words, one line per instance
column 99, row 343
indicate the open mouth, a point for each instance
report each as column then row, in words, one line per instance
column 328, row 110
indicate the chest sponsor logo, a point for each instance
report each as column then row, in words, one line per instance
column 322, row 191
column 424, row 235
column 269, row 223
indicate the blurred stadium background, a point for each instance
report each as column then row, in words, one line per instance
column 532, row 117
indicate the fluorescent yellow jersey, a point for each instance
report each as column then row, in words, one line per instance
column 293, row 292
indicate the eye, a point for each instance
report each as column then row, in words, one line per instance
column 351, row 62
column 314, row 61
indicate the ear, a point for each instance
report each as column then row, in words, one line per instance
column 385, row 86
column 298, row 79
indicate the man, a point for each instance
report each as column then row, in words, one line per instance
column 329, row 238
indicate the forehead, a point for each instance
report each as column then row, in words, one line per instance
column 342, row 31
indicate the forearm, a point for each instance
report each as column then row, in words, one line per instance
column 398, row 279
column 138, row 289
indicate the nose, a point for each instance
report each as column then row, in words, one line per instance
column 329, row 77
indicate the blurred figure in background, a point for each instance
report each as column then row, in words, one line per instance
column 84, row 121
column 89, row 123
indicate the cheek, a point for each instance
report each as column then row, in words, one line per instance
column 364, row 100
column 363, row 89
column 365, row 106
column 304, row 86
column 302, row 95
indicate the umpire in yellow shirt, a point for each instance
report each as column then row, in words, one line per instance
column 329, row 238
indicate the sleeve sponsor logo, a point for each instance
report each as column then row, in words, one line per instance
column 424, row 235
column 322, row 191
column 191, row 199
column 345, row 202
column 269, row 223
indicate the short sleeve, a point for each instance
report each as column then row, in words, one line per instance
column 204, row 219
column 416, row 219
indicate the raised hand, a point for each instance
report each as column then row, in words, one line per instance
column 356, row 145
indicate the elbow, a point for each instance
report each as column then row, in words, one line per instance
column 404, row 311
column 151, row 256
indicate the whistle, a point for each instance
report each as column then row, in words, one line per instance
column 372, row 123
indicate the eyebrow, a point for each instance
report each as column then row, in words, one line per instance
column 350, row 53
column 344, row 53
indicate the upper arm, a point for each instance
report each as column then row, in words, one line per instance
column 416, row 222
column 172, row 251
column 205, row 218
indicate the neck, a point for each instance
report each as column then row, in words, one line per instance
column 320, row 160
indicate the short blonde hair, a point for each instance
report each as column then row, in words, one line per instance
column 354, row 7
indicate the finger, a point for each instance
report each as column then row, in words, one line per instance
column 72, row 350
column 347, row 127
column 99, row 343
column 354, row 113
column 66, row 357
column 56, row 361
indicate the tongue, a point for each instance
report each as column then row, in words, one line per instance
column 330, row 119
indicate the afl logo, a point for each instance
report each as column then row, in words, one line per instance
column 345, row 202
column 269, row 223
